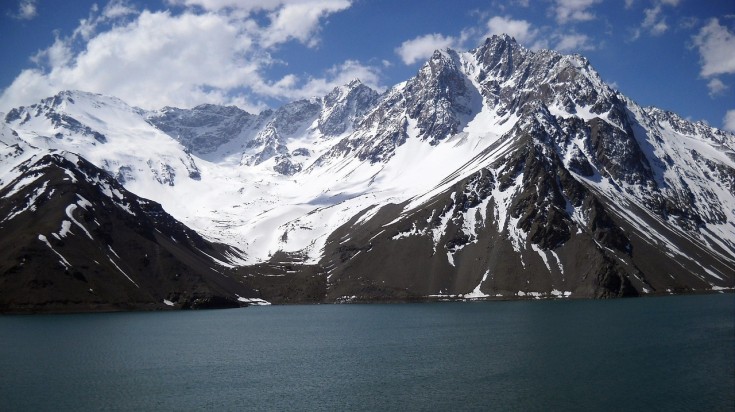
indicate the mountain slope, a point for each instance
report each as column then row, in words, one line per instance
column 73, row 239
column 526, row 225
column 500, row 172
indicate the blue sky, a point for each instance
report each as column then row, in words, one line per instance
column 675, row 54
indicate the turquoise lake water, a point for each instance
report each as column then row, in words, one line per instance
column 672, row 353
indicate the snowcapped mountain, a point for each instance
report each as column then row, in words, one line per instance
column 285, row 139
column 74, row 239
column 499, row 172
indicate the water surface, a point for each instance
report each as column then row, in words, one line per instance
column 673, row 353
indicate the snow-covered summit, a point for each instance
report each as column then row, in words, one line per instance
column 107, row 132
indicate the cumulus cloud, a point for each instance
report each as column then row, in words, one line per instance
column 574, row 42
column 728, row 122
column 209, row 51
column 27, row 10
column 422, row 47
column 566, row 11
column 716, row 46
column 299, row 21
column 153, row 61
column 521, row 30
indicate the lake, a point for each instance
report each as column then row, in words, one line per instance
column 668, row 353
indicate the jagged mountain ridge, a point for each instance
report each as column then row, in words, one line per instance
column 371, row 189
column 214, row 132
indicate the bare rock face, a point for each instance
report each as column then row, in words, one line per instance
column 204, row 128
column 343, row 106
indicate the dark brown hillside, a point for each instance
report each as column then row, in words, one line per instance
column 73, row 239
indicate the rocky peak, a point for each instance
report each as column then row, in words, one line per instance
column 500, row 55
column 511, row 76
column 680, row 125
column 204, row 128
column 345, row 105
column 334, row 114
column 451, row 88
column 440, row 99
column 295, row 116
column 61, row 111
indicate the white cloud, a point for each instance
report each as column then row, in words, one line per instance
column 629, row 3
column 185, row 57
column 58, row 54
column 716, row 87
column 574, row 42
column 574, row 10
column 300, row 21
column 521, row 30
column 654, row 20
column 289, row 19
column 158, row 60
column 116, row 9
column 659, row 28
column 716, row 45
column 524, row 32
column 30, row 86
column 27, row 10
column 219, row 5
column 422, row 47
column 292, row 87
column 728, row 122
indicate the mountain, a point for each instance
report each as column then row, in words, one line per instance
column 586, row 194
column 74, row 239
column 497, row 173
column 285, row 139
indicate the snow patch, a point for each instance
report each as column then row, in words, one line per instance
column 63, row 260
column 123, row 272
column 541, row 253
column 477, row 293
column 253, row 301
column 65, row 228
column 69, row 213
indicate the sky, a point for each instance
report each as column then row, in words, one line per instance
column 678, row 55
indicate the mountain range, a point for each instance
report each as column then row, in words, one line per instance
column 496, row 173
